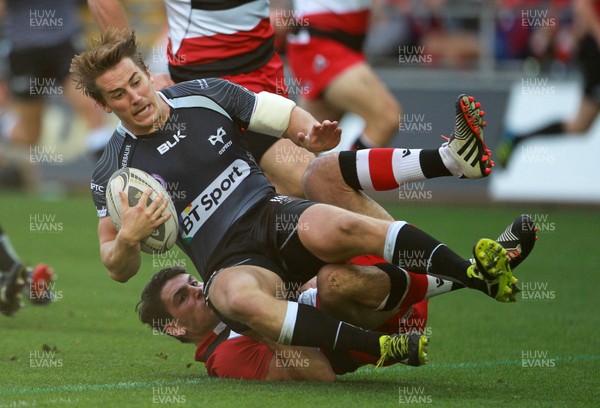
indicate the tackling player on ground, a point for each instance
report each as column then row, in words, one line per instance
column 172, row 303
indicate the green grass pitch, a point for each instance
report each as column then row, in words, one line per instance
column 87, row 348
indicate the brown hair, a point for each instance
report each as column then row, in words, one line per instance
column 151, row 309
column 113, row 46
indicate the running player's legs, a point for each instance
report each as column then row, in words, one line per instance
column 339, row 76
column 586, row 115
column 99, row 130
column 321, row 109
column 27, row 68
column 28, row 124
column 359, row 90
column 589, row 62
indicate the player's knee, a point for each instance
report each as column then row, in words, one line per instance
column 328, row 284
column 321, row 176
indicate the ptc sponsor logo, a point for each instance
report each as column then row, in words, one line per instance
column 168, row 145
column 97, row 188
column 205, row 204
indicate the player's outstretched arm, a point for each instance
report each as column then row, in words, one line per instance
column 108, row 13
column 120, row 250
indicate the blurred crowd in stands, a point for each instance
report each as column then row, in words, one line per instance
column 450, row 34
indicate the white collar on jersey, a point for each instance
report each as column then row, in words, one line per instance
column 123, row 131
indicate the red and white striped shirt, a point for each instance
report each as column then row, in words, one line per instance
column 216, row 38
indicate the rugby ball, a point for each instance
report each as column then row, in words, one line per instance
column 134, row 182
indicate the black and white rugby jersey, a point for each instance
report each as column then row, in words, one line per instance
column 199, row 157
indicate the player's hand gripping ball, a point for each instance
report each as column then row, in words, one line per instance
column 134, row 182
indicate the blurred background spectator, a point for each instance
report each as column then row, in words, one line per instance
column 423, row 50
column 41, row 37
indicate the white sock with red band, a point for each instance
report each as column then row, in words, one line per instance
column 387, row 168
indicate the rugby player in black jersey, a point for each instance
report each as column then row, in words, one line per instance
column 243, row 238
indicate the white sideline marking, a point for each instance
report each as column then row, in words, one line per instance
column 99, row 387
column 133, row 385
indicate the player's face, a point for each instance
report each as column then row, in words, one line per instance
column 128, row 93
column 183, row 297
